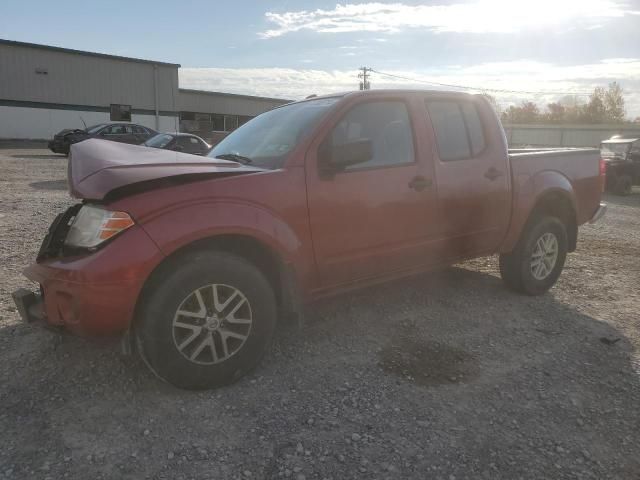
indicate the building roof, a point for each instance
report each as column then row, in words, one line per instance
column 234, row 95
column 82, row 52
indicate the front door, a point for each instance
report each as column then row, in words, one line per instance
column 372, row 218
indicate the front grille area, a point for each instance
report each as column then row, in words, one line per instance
column 53, row 243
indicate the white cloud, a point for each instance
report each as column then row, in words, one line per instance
column 519, row 75
column 481, row 16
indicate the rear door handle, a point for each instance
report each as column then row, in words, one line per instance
column 492, row 173
column 419, row 183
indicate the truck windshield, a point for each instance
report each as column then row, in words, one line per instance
column 266, row 140
column 615, row 148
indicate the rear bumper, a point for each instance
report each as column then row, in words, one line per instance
column 91, row 295
column 602, row 209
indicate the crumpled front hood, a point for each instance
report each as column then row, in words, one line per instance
column 97, row 167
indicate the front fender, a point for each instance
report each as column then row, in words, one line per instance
column 528, row 191
column 179, row 226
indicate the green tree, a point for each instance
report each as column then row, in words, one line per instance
column 555, row 112
column 595, row 111
column 614, row 103
column 526, row 112
column 573, row 109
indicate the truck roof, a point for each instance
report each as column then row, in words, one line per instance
column 384, row 92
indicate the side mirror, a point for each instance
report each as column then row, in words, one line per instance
column 178, row 148
column 334, row 159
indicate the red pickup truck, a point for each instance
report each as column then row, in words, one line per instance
column 192, row 260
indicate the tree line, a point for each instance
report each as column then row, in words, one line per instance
column 604, row 106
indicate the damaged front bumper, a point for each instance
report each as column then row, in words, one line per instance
column 30, row 306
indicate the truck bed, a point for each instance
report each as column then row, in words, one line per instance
column 579, row 167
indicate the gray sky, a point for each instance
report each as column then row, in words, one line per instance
column 291, row 49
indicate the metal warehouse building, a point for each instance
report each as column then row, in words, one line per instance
column 45, row 89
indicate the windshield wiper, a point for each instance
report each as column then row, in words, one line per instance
column 235, row 157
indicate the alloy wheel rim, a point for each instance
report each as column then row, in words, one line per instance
column 544, row 256
column 212, row 324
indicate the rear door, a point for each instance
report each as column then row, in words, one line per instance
column 118, row 133
column 473, row 177
column 140, row 134
column 373, row 218
column 128, row 135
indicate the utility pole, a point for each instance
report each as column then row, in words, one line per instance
column 364, row 83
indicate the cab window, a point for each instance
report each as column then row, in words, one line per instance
column 386, row 125
column 458, row 129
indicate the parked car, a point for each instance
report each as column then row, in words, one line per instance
column 117, row 132
column 180, row 142
column 622, row 160
column 193, row 261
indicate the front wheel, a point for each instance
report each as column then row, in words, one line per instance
column 207, row 320
column 534, row 266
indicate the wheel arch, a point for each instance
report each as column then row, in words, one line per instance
column 547, row 193
column 280, row 274
column 558, row 203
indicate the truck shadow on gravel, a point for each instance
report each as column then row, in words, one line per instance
column 459, row 325
column 447, row 371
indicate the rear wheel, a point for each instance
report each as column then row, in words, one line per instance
column 534, row 266
column 208, row 322
column 623, row 185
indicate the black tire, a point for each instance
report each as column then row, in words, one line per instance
column 516, row 268
column 623, row 185
column 155, row 332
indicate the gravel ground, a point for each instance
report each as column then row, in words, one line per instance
column 445, row 376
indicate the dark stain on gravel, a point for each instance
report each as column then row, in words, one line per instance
column 427, row 363
column 49, row 185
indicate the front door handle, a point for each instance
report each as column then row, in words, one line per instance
column 419, row 183
column 492, row 173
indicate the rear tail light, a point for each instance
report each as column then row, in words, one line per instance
column 603, row 174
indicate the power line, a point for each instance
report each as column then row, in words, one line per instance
column 467, row 87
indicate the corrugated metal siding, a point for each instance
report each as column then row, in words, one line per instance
column 567, row 135
column 225, row 104
column 83, row 80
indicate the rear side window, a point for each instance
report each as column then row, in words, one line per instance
column 386, row 124
column 114, row 130
column 458, row 129
column 474, row 127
